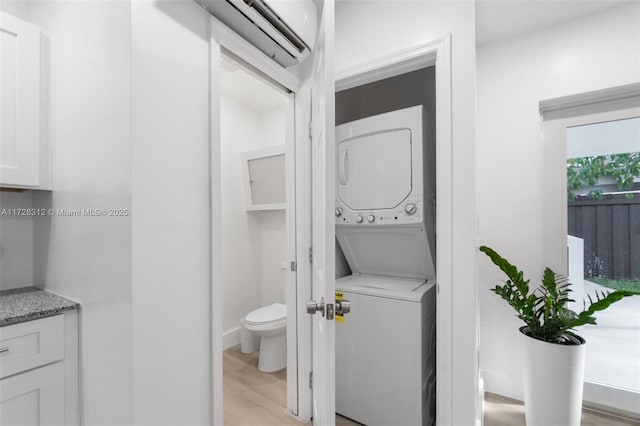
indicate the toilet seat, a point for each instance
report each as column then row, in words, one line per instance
column 273, row 315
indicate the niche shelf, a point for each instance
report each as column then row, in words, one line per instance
column 264, row 178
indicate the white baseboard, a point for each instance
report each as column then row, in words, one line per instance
column 231, row 338
column 620, row 402
column 597, row 397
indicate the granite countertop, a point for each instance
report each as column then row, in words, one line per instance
column 30, row 303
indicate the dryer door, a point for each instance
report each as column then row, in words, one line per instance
column 374, row 170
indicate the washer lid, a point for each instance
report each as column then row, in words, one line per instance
column 270, row 313
column 393, row 251
column 412, row 290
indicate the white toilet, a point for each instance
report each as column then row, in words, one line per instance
column 268, row 323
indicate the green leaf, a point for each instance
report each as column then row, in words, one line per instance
column 603, row 301
column 584, row 172
column 544, row 309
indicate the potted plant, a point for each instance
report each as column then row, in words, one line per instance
column 554, row 353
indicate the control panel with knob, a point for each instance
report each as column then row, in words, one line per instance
column 411, row 211
column 410, row 208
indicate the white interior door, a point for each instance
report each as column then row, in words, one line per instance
column 323, row 230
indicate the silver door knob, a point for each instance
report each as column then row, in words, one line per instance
column 410, row 208
column 359, row 219
column 313, row 307
column 343, row 307
column 339, row 211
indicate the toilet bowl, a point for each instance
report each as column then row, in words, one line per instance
column 269, row 323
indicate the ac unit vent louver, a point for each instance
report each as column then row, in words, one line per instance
column 283, row 30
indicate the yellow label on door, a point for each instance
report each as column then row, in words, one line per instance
column 339, row 296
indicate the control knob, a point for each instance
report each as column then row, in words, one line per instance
column 410, row 209
column 371, row 218
column 339, row 211
column 359, row 219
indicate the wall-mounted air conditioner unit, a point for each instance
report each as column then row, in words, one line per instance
column 284, row 30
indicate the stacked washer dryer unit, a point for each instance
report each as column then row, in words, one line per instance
column 385, row 220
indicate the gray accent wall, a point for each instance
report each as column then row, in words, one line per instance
column 393, row 93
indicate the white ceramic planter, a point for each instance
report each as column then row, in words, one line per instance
column 553, row 382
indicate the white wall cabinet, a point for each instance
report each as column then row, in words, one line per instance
column 25, row 154
column 39, row 372
column 264, row 178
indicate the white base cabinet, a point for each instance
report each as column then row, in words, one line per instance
column 39, row 372
column 35, row 397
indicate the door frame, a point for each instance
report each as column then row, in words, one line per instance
column 436, row 52
column 224, row 41
column 557, row 115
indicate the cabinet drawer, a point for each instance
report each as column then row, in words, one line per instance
column 31, row 344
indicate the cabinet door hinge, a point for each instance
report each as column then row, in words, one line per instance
column 311, row 380
column 310, row 130
column 294, row 266
column 310, row 254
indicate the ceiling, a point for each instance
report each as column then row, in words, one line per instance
column 247, row 89
column 496, row 20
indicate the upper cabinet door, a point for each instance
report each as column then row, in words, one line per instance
column 19, row 102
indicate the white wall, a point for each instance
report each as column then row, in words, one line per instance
column 240, row 127
column 89, row 258
column 366, row 30
column 170, row 190
column 253, row 243
column 16, row 241
column 272, row 246
column 587, row 54
column 18, row 9
column 272, row 224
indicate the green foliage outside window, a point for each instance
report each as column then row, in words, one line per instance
column 584, row 172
